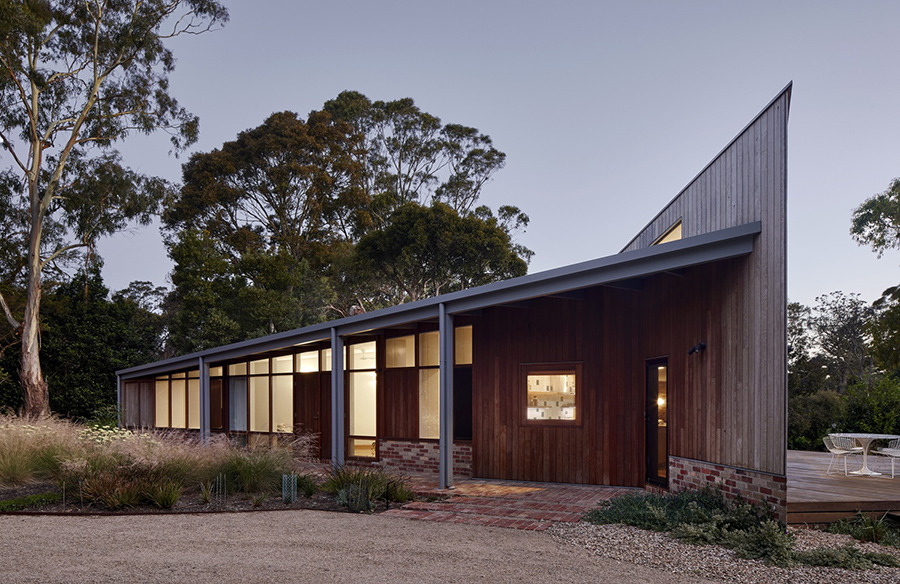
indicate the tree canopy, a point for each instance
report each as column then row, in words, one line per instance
column 76, row 77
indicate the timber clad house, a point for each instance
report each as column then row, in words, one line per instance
column 663, row 366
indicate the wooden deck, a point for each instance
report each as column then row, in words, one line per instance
column 814, row 497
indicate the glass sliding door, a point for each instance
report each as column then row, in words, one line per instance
column 657, row 421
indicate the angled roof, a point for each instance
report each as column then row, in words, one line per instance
column 622, row 268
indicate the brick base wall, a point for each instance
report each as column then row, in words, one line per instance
column 422, row 457
column 755, row 486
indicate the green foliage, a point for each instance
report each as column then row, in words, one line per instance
column 75, row 78
column 426, row 251
column 702, row 517
column 874, row 407
column 878, row 530
column 876, row 222
column 848, row 557
column 357, row 497
column 29, row 502
column 164, row 493
column 256, row 470
column 358, row 487
column 812, row 416
column 307, row 485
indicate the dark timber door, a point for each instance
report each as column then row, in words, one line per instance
column 308, row 406
column 657, row 422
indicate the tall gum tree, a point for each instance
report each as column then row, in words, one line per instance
column 76, row 76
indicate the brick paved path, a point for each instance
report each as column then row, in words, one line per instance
column 513, row 504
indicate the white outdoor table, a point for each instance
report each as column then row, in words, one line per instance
column 865, row 440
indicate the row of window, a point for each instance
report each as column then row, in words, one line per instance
column 260, row 392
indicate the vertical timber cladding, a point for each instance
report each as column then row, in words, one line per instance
column 594, row 330
column 743, row 370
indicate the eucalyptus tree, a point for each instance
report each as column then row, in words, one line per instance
column 407, row 155
column 76, row 77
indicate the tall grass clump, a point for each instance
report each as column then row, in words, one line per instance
column 881, row 530
column 33, row 449
column 359, row 487
column 256, row 470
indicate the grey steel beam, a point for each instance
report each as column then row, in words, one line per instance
column 445, row 446
column 204, row 401
column 629, row 265
column 119, row 400
column 338, row 433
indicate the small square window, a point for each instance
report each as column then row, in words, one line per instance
column 552, row 393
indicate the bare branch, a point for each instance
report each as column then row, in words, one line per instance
column 9, row 317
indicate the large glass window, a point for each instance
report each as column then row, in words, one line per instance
column 259, row 367
column 429, row 403
column 362, row 356
column 162, row 402
column 308, row 362
column 283, row 364
column 283, row 403
column 400, row 352
column 463, row 345
column 237, row 404
column 193, row 403
column 179, row 402
column 362, row 403
column 429, row 349
column 552, row 394
column 259, row 404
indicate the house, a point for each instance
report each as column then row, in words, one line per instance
column 663, row 365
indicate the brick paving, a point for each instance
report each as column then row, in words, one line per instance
column 512, row 504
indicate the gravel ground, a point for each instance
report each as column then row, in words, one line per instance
column 656, row 550
column 293, row 546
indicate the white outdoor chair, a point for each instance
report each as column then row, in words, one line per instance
column 892, row 450
column 840, row 447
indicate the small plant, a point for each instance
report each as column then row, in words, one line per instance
column 307, row 485
column 206, row 492
column 164, row 493
column 29, row 501
column 378, row 483
column 878, row 530
column 356, row 497
column 258, row 499
column 848, row 557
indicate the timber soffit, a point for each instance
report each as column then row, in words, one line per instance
column 786, row 91
column 691, row 251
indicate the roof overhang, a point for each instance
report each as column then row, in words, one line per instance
column 622, row 268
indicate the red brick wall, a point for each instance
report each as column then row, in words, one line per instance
column 755, row 486
column 422, row 457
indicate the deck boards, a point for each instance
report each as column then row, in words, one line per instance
column 814, row 497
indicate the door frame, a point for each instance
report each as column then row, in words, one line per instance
column 651, row 423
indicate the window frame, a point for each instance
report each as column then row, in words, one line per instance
column 553, row 368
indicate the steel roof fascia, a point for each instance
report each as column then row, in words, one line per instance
column 636, row 268
column 580, row 275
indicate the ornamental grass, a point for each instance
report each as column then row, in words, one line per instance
column 118, row 468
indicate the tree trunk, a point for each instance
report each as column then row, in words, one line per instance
column 36, row 395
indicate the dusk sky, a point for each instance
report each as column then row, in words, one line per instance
column 605, row 111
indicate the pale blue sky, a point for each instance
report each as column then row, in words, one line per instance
column 605, row 111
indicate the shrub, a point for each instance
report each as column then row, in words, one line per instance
column 702, row 517
column 379, row 483
column 356, row 497
column 307, row 485
column 882, row 530
column 848, row 557
column 29, row 501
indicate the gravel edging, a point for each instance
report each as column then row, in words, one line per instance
column 657, row 550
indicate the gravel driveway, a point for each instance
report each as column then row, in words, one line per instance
column 292, row 546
